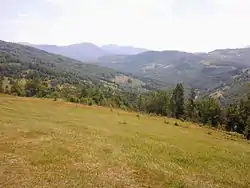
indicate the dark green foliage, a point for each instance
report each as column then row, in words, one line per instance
column 7, row 89
column 233, row 118
column 209, row 111
column 177, row 101
column 238, row 117
column 32, row 87
column 191, row 109
column 247, row 129
column 18, row 89
column 156, row 102
column 1, row 84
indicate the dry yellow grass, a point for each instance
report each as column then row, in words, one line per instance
column 46, row 143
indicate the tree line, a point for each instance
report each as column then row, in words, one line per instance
column 171, row 103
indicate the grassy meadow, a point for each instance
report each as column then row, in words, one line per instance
column 47, row 143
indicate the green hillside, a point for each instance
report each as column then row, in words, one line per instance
column 19, row 61
column 204, row 71
column 235, row 89
column 47, row 143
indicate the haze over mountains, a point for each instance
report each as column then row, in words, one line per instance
column 123, row 50
column 88, row 51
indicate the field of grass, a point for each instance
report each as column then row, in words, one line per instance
column 47, row 143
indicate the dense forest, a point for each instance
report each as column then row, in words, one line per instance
column 33, row 76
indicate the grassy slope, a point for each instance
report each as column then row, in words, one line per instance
column 55, row 144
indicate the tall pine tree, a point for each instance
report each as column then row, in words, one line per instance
column 191, row 106
column 177, row 102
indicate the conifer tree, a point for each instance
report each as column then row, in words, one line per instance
column 177, row 101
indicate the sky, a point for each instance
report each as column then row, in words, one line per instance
column 186, row 25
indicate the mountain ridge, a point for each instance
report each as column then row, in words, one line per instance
column 87, row 51
column 206, row 71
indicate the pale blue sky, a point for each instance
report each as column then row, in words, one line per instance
column 188, row 25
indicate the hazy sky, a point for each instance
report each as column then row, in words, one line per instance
column 189, row 25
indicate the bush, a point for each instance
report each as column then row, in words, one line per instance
column 72, row 99
column 91, row 102
column 176, row 124
column 166, row 121
column 87, row 101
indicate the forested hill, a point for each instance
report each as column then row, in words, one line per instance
column 211, row 72
column 234, row 89
column 25, row 61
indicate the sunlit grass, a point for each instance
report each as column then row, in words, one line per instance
column 47, row 143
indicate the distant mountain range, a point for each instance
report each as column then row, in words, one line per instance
column 87, row 51
column 212, row 73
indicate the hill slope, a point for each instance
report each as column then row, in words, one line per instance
column 56, row 144
column 235, row 89
column 205, row 71
column 19, row 60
